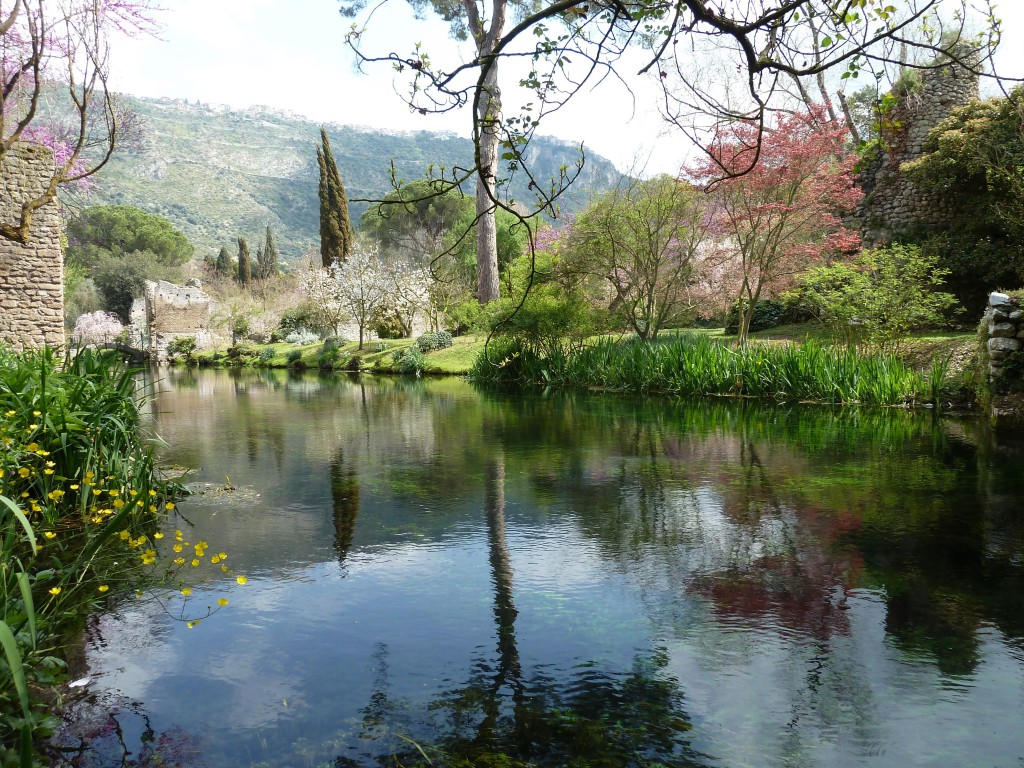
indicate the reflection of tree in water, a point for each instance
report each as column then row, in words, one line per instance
column 345, row 499
column 505, row 717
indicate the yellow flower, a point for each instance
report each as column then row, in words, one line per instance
column 195, row 563
column 224, row 568
column 24, row 471
column 32, row 447
column 168, row 505
column 186, row 591
column 37, row 413
column 178, row 547
column 32, row 427
column 193, row 623
column 115, row 493
column 51, row 464
column 222, row 602
column 158, row 535
column 179, row 561
column 102, row 587
column 124, row 535
column 152, row 492
column 74, row 487
column 55, row 494
column 214, row 560
column 10, row 413
column 47, row 471
column 50, row 535
column 222, row 555
column 54, row 590
column 118, row 504
column 152, row 507
column 241, row 579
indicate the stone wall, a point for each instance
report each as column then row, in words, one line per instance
column 1003, row 356
column 31, row 276
column 169, row 311
column 892, row 202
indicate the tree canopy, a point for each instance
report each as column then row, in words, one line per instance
column 119, row 229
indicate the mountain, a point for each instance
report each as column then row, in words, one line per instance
column 218, row 173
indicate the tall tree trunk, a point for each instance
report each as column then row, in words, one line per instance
column 489, row 118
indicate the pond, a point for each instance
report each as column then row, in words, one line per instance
column 436, row 572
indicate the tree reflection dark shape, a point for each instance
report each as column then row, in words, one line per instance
column 345, row 500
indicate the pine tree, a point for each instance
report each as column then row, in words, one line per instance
column 335, row 227
column 223, row 264
column 268, row 257
column 244, row 268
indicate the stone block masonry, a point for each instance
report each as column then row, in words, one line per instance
column 1003, row 357
column 31, row 276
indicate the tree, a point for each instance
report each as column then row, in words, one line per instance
column 268, row 257
column 413, row 222
column 651, row 242
column 318, row 286
column 244, row 275
column 882, row 295
column 784, row 211
column 52, row 48
column 361, row 287
column 120, row 279
column 121, row 229
column 335, row 229
column 975, row 160
column 571, row 42
column 408, row 292
column 223, row 263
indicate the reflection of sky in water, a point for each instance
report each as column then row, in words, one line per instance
column 800, row 618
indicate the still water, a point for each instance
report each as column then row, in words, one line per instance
column 566, row 580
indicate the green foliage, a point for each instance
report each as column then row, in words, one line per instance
column 416, row 217
column 120, row 279
column 72, row 449
column 432, row 340
column 335, row 228
column 223, row 264
column 387, row 325
column 409, row 360
column 881, row 296
column 768, row 313
column 120, row 229
column 696, row 366
column 183, row 346
column 975, row 159
column 303, row 317
column 294, row 356
column 244, row 274
column 267, row 262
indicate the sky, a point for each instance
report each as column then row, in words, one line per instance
column 291, row 55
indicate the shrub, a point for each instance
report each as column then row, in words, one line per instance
column 183, row 346
column 304, row 317
column 301, row 337
column 353, row 364
column 334, row 342
column 432, row 340
column 266, row 356
column 294, row 355
column 241, row 354
column 380, row 346
column 409, row 360
column 387, row 325
column 767, row 314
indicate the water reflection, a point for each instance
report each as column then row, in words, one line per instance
column 615, row 581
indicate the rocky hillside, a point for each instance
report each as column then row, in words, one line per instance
column 219, row 174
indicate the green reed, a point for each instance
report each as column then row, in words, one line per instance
column 696, row 366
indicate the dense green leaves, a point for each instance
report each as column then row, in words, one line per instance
column 119, row 230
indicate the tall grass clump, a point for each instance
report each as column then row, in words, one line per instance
column 696, row 366
column 79, row 493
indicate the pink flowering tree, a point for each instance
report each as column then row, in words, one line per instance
column 778, row 198
column 96, row 328
column 61, row 48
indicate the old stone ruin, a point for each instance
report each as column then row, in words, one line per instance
column 1002, row 358
column 32, row 275
column 167, row 312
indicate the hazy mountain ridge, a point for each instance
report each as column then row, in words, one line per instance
column 218, row 174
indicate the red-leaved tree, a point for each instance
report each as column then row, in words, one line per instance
column 779, row 199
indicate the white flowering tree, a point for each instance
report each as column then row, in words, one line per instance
column 408, row 292
column 96, row 328
column 361, row 286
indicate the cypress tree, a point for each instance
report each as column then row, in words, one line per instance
column 335, row 227
column 244, row 268
column 268, row 257
column 257, row 263
column 223, row 264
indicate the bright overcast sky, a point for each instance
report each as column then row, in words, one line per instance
column 290, row 54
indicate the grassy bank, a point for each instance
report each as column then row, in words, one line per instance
column 697, row 365
column 80, row 498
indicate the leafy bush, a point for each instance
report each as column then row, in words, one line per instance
column 302, row 337
column 241, row 354
column 266, row 356
column 387, row 325
column 294, row 355
column 334, row 342
column 352, row 364
column 183, row 346
column 767, row 314
column 432, row 340
column 409, row 360
column 380, row 346
column 304, row 317
column 881, row 296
